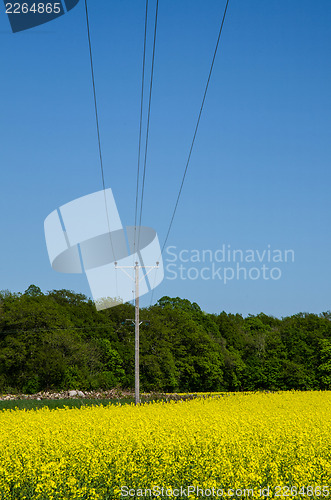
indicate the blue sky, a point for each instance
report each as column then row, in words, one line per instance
column 259, row 176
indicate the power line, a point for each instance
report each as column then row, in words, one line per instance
column 98, row 132
column 95, row 96
column 196, row 128
column 148, row 118
column 140, row 125
column 27, row 330
column 193, row 140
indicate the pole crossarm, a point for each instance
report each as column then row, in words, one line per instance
column 140, row 323
column 140, row 267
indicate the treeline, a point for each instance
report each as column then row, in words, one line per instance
column 58, row 341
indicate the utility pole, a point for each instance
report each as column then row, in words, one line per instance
column 136, row 337
column 136, row 321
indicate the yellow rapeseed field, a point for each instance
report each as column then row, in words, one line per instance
column 232, row 446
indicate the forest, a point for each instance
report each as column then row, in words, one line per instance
column 58, row 341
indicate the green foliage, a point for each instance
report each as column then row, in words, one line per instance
column 59, row 341
column 324, row 367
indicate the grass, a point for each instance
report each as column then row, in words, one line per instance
column 52, row 404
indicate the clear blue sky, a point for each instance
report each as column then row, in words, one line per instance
column 260, row 169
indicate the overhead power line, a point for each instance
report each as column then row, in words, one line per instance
column 196, row 128
column 140, row 124
column 95, row 96
column 98, row 133
column 193, row 140
column 148, row 118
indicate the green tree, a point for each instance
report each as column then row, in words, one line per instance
column 324, row 367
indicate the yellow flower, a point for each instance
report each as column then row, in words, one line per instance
column 227, row 442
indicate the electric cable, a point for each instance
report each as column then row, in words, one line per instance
column 194, row 135
column 148, row 119
column 140, row 126
column 98, row 130
column 95, row 96
column 196, row 128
